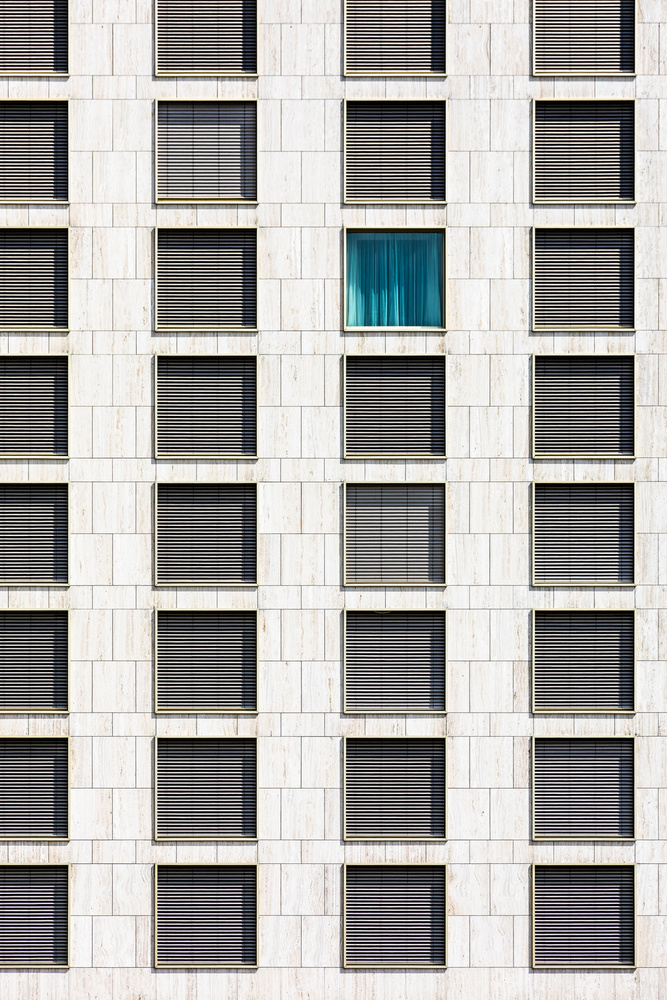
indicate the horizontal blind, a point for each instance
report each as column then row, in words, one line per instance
column 33, row 915
column 206, row 915
column 206, row 37
column 395, row 36
column 207, row 150
column 33, row 405
column 584, row 36
column 206, row 533
column 584, row 915
column 206, row 406
column 33, row 150
column 33, row 790
column 584, row 150
column 33, row 661
column 206, row 788
column 394, row 788
column 583, row 788
column 584, row 405
column 395, row 914
column 395, row 151
column 33, row 533
column 584, row 532
column 584, row 661
column 206, row 278
column 33, row 36
column 33, row 278
column 584, row 278
column 395, row 661
column 206, row 661
column 395, row 406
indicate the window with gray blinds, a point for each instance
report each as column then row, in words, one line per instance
column 395, row 533
column 394, row 661
column 400, row 37
column 584, row 533
column 583, row 661
column 206, row 661
column 33, row 533
column 577, row 39
column 33, row 37
column 206, row 533
column 394, row 151
column 394, row 789
column 206, row 150
column 200, row 38
column 583, row 915
column 33, row 789
column 583, row 789
column 205, row 915
column 395, row 915
column 206, row 406
column 395, row 406
column 206, row 279
column 584, row 405
column 33, row 661
column 33, row 405
column 206, row 788
column 33, row 151
column 584, row 278
column 34, row 915
column 33, row 279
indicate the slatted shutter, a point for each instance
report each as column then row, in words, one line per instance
column 33, row 37
column 34, row 915
column 33, row 661
column 395, row 915
column 206, row 533
column 33, row 151
column 206, row 661
column 394, row 37
column 395, row 534
column 33, row 405
column 206, row 915
column 33, row 279
column 395, row 151
column 584, row 661
column 206, row 150
column 204, row 38
column 572, row 37
column 584, row 533
column 395, row 406
column 34, row 788
column 584, row 278
column 206, row 406
column 206, row 789
column 33, row 533
column 584, row 915
column 206, row 279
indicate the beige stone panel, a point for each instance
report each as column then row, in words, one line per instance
column 491, row 762
column 280, row 253
column 91, row 48
column 302, row 890
column 113, row 941
column 280, row 176
column 114, row 507
column 114, row 762
column 320, row 942
column 493, row 941
column 468, row 635
column 90, row 813
column 468, row 811
column 279, row 762
column 90, row 890
column 468, row 888
column 302, row 813
column 302, row 125
column 320, row 762
column 468, row 559
column 302, row 635
column 469, row 124
column 132, row 813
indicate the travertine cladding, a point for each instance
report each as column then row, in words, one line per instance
column 300, row 472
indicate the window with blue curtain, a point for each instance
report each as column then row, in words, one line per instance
column 395, row 278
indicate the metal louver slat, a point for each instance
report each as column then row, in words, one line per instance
column 395, row 915
column 584, row 915
column 402, row 37
column 206, row 37
column 206, row 915
column 33, row 405
column 33, row 151
column 34, row 788
column 395, row 151
column 584, row 533
column 206, row 661
column 206, row 406
column 33, row 37
column 584, row 36
column 395, row 406
column 34, row 915
column 33, row 279
column 33, row 533
column 206, row 279
column 33, row 661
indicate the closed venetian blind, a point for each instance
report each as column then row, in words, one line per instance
column 394, row 36
column 593, row 36
column 206, row 37
column 34, row 915
column 33, row 405
column 33, row 278
column 33, row 790
column 33, row 661
column 33, row 533
column 33, row 150
column 33, row 37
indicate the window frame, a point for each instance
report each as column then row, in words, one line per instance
column 44, row 711
column 395, row 73
column 50, row 864
column 564, row 72
column 197, row 73
column 44, row 583
column 17, row 328
column 57, row 74
column 10, row 455
column 40, row 100
column 50, row 839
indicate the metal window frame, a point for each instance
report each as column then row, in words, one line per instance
column 47, row 73
column 9, row 455
column 197, row 73
column 43, row 583
column 395, row 73
column 32, row 838
column 50, row 864
column 40, row 100
column 18, row 328
column 569, row 72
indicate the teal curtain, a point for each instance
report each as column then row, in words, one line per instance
column 394, row 279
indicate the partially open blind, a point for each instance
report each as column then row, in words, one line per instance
column 33, row 278
column 33, row 790
column 33, row 405
column 394, row 37
column 595, row 36
column 33, row 36
column 33, row 915
column 206, row 37
column 33, row 533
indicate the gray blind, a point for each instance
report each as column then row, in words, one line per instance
column 33, row 150
column 33, row 533
column 595, row 36
column 395, row 36
column 584, row 278
column 584, row 405
column 395, row 405
column 584, row 915
column 395, row 914
column 584, row 661
column 583, row 788
column 206, row 36
column 33, row 789
column 395, row 151
column 395, row 533
column 33, row 915
column 206, row 533
column 584, row 532
column 206, row 278
column 206, row 915
column 395, row 661
column 33, row 405
column 206, row 405
column 33, row 661
column 33, row 36
column 207, row 150
column 33, row 278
